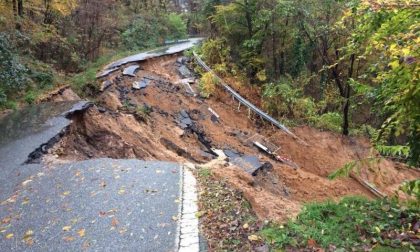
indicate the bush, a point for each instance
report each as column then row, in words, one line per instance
column 43, row 79
column 13, row 75
column 151, row 30
column 207, row 85
column 329, row 121
column 281, row 99
column 177, row 28
column 349, row 224
column 30, row 97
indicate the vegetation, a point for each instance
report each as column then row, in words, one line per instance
column 353, row 223
column 48, row 43
column 325, row 62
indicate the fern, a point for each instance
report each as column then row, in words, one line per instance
column 344, row 171
column 399, row 151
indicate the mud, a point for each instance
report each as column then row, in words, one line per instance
column 150, row 124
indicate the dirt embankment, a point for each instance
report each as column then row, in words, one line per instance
column 162, row 120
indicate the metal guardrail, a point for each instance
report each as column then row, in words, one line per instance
column 243, row 100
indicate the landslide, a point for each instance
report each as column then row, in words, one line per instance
column 145, row 123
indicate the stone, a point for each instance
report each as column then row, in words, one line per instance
column 105, row 84
column 131, row 70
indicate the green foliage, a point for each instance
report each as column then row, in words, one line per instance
column 329, row 121
column 353, row 166
column 13, row 75
column 215, row 52
column 42, row 79
column 412, row 188
column 151, row 30
column 387, row 38
column 207, row 84
column 282, row 99
column 30, row 97
column 177, row 28
column 349, row 224
column 399, row 151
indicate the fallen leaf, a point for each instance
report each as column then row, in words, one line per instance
column 24, row 183
column 312, row 243
column 6, row 220
column 121, row 191
column 9, row 236
column 114, row 222
column 28, row 233
column 68, row 238
column 66, row 228
column 246, row 226
column 174, row 218
column 66, row 193
column 254, row 238
column 27, row 238
column 25, row 201
column 81, row 232
column 199, row 214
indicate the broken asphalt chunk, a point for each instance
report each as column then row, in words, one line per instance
column 131, row 70
column 143, row 83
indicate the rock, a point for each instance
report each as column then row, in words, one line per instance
column 104, row 85
column 107, row 72
column 143, row 83
column 131, row 70
column 184, row 72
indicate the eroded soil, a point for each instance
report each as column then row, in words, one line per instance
column 145, row 124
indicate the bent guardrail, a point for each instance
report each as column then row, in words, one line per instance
column 243, row 100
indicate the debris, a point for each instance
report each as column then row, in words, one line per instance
column 181, row 60
column 184, row 120
column 178, row 150
column 105, row 84
column 107, row 72
column 251, row 164
column 184, row 72
column 275, row 156
column 214, row 117
column 186, row 83
column 143, row 83
column 131, row 70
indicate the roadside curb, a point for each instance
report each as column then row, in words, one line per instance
column 188, row 228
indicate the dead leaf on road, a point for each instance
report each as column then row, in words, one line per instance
column 81, row 232
column 66, row 228
column 114, row 222
column 68, row 238
column 9, row 236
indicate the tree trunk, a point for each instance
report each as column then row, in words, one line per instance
column 346, row 108
column 20, row 8
column 248, row 18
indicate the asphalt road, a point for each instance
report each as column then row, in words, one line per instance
column 93, row 205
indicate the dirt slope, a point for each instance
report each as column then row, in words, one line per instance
column 144, row 124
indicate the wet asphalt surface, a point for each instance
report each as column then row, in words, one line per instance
column 93, row 205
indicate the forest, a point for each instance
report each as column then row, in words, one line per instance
column 345, row 66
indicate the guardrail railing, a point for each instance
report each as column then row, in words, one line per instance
column 243, row 100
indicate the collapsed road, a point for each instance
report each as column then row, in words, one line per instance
column 87, row 187
column 99, row 204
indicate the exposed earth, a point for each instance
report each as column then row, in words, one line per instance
column 151, row 110
column 147, row 124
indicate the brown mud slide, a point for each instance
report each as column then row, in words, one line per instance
column 153, row 115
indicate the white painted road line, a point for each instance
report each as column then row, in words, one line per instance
column 188, row 236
